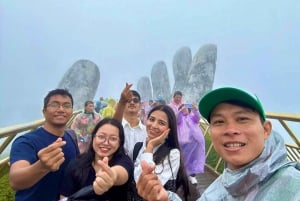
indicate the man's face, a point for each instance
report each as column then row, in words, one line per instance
column 58, row 110
column 133, row 105
column 177, row 99
column 238, row 134
column 90, row 107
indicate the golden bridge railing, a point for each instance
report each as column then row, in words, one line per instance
column 214, row 162
column 8, row 134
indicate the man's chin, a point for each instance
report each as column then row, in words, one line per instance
column 60, row 125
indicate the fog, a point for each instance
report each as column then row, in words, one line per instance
column 258, row 46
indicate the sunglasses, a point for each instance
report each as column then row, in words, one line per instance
column 135, row 100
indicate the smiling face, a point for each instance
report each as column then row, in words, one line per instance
column 238, row 134
column 177, row 99
column 58, row 111
column 133, row 106
column 156, row 124
column 106, row 141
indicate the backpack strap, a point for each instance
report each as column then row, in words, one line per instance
column 136, row 149
column 72, row 134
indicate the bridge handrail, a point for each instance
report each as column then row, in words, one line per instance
column 293, row 150
column 10, row 132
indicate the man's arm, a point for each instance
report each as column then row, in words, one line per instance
column 23, row 175
column 125, row 95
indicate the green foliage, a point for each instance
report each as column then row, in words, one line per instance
column 6, row 193
column 213, row 156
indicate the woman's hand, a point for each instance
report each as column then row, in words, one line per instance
column 156, row 141
column 149, row 186
column 105, row 177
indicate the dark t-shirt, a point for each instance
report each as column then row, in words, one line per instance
column 73, row 183
column 26, row 148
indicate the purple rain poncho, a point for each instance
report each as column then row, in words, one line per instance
column 191, row 140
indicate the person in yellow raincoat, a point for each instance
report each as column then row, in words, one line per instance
column 109, row 110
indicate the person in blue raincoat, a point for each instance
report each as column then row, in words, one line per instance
column 256, row 160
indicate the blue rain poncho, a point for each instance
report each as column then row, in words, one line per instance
column 269, row 177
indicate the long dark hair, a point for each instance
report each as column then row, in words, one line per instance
column 86, row 159
column 170, row 143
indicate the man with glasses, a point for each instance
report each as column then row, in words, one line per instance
column 38, row 158
column 135, row 130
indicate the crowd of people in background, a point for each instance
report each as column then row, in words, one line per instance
column 133, row 150
column 108, row 161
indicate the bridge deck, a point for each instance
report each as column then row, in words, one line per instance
column 204, row 180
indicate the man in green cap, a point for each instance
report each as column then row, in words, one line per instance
column 256, row 161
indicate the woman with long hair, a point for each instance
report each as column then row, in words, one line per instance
column 105, row 165
column 161, row 148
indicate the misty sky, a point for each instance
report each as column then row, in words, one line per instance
column 258, row 46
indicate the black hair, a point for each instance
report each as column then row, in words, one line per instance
column 135, row 93
column 171, row 142
column 86, row 159
column 177, row 93
column 86, row 104
column 62, row 92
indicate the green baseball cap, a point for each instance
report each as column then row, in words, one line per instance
column 211, row 99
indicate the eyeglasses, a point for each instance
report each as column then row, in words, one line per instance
column 110, row 139
column 135, row 100
column 56, row 105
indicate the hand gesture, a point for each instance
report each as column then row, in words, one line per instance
column 126, row 93
column 149, row 186
column 52, row 156
column 125, row 96
column 157, row 141
column 105, row 177
column 195, row 107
